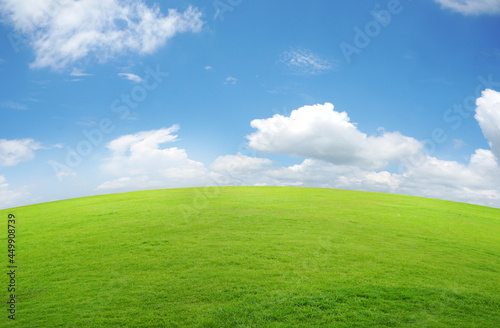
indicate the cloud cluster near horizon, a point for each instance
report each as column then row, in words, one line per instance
column 138, row 161
column 64, row 32
column 334, row 153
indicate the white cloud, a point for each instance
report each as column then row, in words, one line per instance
column 488, row 117
column 208, row 68
column 8, row 197
column 322, row 133
column 141, row 163
column 303, row 61
column 472, row 7
column 131, row 77
column 13, row 105
column 77, row 72
column 230, row 80
column 12, row 152
column 63, row 32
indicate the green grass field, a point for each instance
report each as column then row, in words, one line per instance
column 254, row 257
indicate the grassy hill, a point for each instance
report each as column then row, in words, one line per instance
column 255, row 257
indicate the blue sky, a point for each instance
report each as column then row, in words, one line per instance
column 112, row 96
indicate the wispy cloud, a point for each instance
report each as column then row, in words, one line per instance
column 77, row 72
column 86, row 123
column 63, row 33
column 13, row 105
column 41, row 83
column 230, row 80
column 458, row 143
column 131, row 77
column 63, row 175
column 472, row 7
column 305, row 62
column 208, row 68
column 31, row 99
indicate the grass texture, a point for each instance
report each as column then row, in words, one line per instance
column 255, row 257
